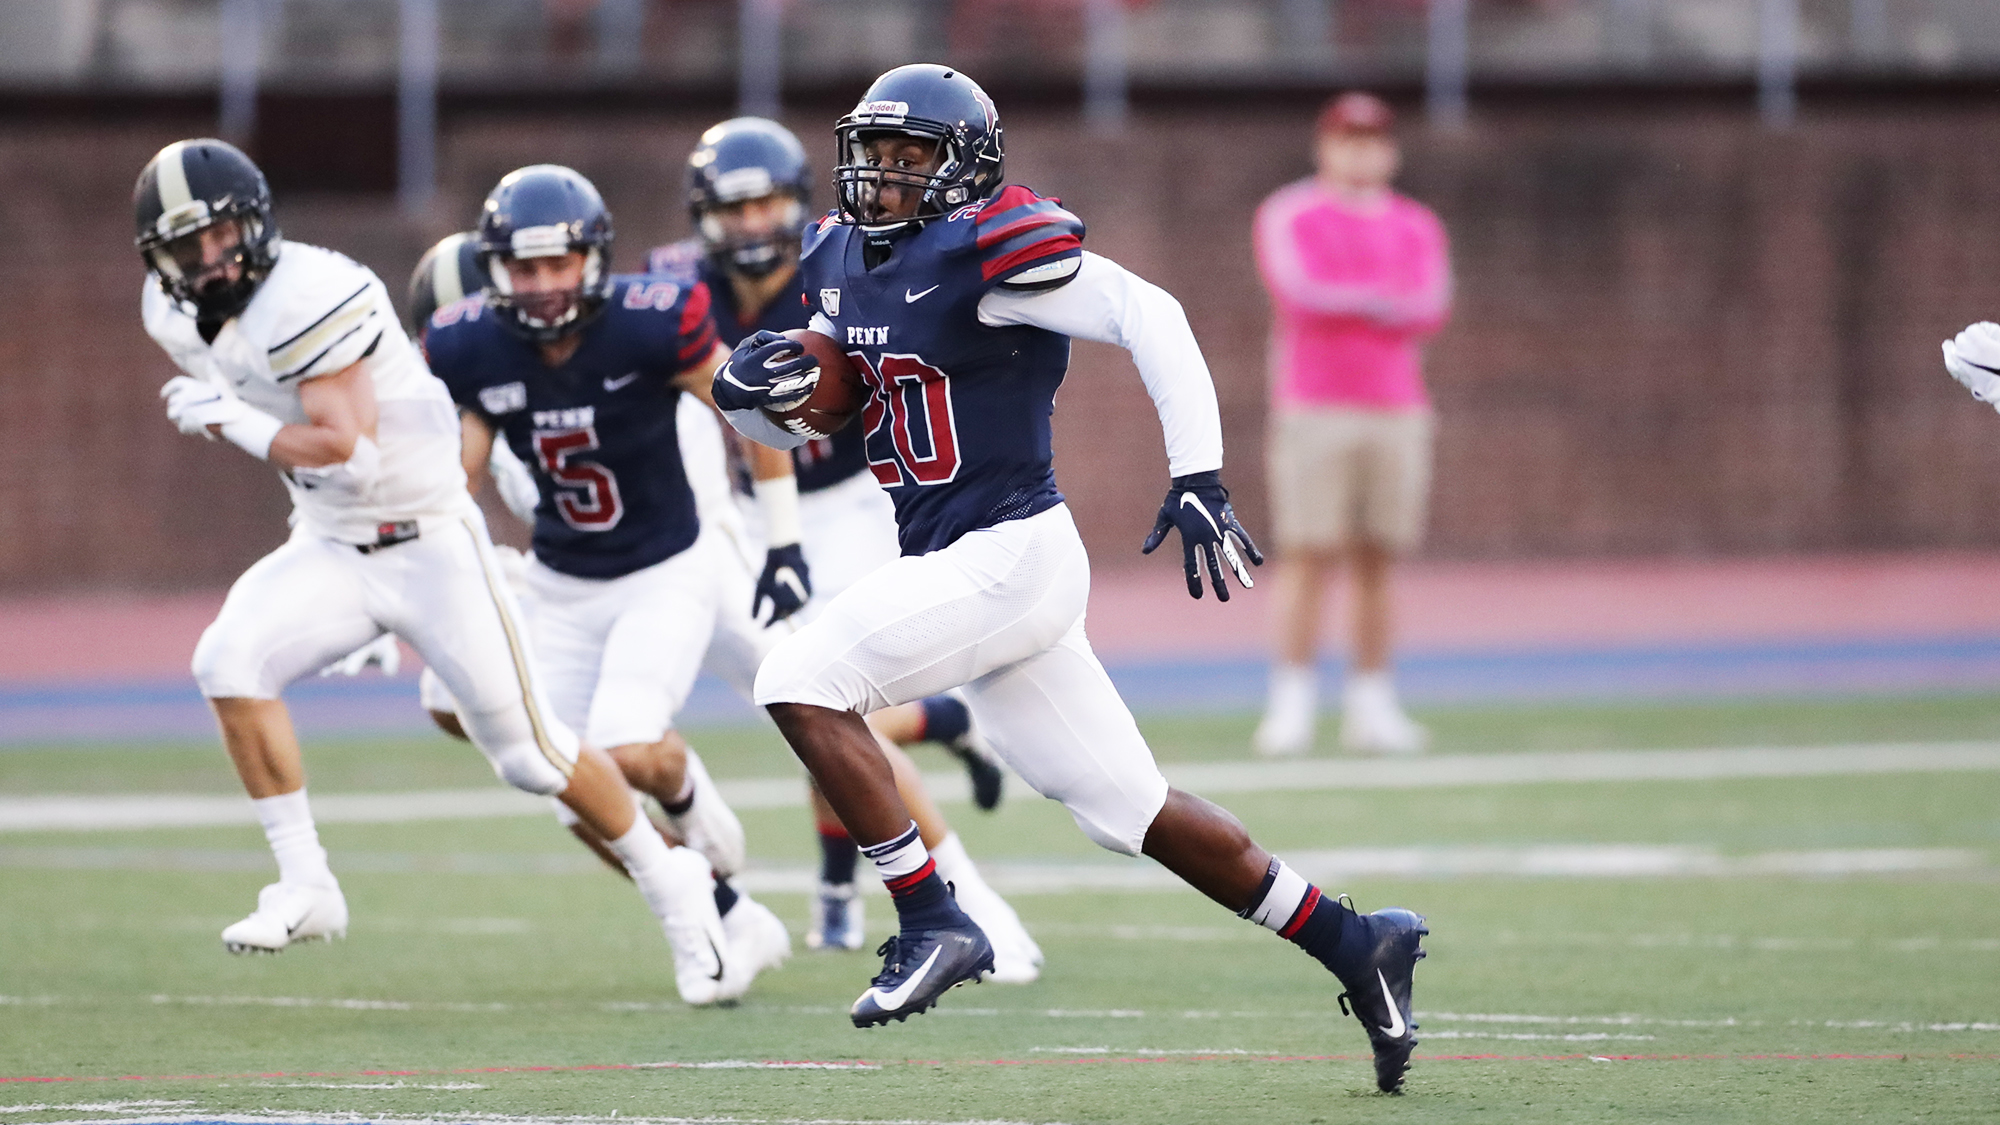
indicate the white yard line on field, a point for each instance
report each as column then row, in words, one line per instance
column 187, row 810
column 1028, row 877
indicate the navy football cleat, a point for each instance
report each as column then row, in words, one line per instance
column 917, row 970
column 981, row 767
column 1380, row 965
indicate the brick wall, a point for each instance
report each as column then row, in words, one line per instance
column 1675, row 334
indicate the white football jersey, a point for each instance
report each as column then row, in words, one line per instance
column 318, row 313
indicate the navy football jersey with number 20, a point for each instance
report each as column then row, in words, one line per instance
column 599, row 431
column 957, row 428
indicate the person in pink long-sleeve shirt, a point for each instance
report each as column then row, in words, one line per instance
column 1358, row 277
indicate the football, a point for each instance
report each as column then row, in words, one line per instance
column 838, row 397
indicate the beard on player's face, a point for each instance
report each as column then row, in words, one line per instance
column 211, row 259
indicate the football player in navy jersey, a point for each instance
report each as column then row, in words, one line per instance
column 582, row 373
column 748, row 185
column 955, row 299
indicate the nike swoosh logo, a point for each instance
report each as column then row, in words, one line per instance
column 910, row 298
column 894, row 1000
column 1188, row 501
column 717, row 950
column 618, row 384
column 789, row 578
column 1396, row 1027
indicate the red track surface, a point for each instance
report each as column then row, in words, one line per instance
column 1442, row 606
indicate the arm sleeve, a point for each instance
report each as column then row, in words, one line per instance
column 758, row 427
column 1105, row 302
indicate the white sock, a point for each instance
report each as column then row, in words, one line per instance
column 645, row 856
column 1294, row 689
column 288, row 825
column 1370, row 689
column 898, row 859
column 952, row 862
column 1285, row 891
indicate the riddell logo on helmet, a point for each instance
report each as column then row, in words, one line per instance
column 897, row 110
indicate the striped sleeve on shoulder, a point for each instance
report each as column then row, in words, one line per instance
column 698, row 335
column 326, row 338
column 1026, row 241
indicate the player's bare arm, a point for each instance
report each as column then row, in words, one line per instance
column 340, row 411
column 475, row 449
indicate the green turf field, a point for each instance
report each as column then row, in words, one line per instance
column 491, row 971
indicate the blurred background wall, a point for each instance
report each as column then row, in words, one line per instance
column 1704, row 259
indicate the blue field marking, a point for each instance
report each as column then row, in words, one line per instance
column 171, row 709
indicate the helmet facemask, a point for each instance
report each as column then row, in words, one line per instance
column 546, row 315
column 182, row 256
column 958, row 176
column 753, row 254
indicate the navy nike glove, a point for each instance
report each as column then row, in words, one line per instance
column 1198, row 505
column 784, row 583
column 765, row 371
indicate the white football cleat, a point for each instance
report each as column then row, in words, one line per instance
column 709, row 826
column 287, row 913
column 758, row 940
column 1016, row 957
column 1372, row 721
column 694, row 931
column 836, row 920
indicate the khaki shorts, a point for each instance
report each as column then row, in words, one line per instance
column 1340, row 475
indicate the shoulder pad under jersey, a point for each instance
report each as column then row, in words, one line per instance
column 319, row 312
column 671, row 310
column 1025, row 241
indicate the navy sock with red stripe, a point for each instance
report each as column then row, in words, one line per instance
column 945, row 719
column 837, row 854
column 923, row 901
column 1299, row 913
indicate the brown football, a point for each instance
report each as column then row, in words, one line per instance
column 839, row 396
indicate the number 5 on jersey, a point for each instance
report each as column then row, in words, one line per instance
column 586, row 492
column 912, row 430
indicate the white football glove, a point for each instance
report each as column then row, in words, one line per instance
column 382, row 652
column 1973, row 358
column 194, row 405
column 513, row 481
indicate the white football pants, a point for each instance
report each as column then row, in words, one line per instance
column 314, row 600
column 621, row 654
column 850, row 533
column 999, row 612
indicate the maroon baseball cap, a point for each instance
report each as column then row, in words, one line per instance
column 1356, row 112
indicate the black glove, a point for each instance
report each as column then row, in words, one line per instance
column 1199, row 506
column 784, row 581
column 766, row 370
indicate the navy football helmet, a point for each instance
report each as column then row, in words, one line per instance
column 544, row 211
column 742, row 159
column 186, row 188
column 929, row 101
column 447, row 272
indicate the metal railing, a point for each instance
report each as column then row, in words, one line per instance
column 1103, row 47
